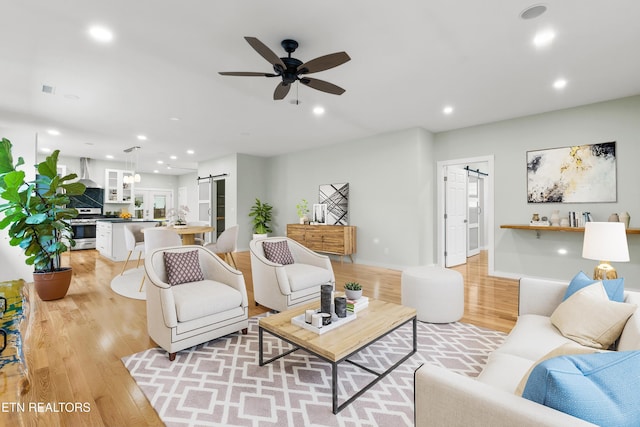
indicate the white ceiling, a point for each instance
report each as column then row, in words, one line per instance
column 410, row 58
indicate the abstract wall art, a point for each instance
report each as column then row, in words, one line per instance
column 336, row 197
column 575, row 174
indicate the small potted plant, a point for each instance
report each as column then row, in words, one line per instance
column 36, row 216
column 261, row 214
column 353, row 290
column 303, row 209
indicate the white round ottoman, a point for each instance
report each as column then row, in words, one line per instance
column 436, row 293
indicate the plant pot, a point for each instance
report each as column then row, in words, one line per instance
column 52, row 285
column 353, row 295
column 259, row 236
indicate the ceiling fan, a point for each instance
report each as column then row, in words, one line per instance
column 292, row 69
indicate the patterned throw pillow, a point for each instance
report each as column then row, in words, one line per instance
column 278, row 252
column 182, row 267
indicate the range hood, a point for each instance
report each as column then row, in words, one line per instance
column 84, row 174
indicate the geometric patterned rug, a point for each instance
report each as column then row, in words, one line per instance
column 220, row 383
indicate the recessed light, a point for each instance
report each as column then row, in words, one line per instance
column 533, row 12
column 318, row 111
column 447, row 110
column 159, row 162
column 101, row 34
column 45, row 150
column 190, row 152
column 142, row 137
column 109, row 156
column 562, row 251
column 560, row 84
column 53, row 132
column 174, row 119
column 156, row 171
column 173, row 157
column 544, row 38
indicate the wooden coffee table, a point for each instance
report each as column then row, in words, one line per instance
column 336, row 346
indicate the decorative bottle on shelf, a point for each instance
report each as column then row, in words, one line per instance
column 555, row 218
column 625, row 217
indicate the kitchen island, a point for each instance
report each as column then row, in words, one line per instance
column 110, row 236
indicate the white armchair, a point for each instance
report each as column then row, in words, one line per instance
column 184, row 315
column 281, row 287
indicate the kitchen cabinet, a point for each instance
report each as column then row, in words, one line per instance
column 110, row 237
column 331, row 239
column 116, row 190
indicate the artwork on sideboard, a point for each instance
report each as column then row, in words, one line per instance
column 576, row 174
column 319, row 215
column 336, row 197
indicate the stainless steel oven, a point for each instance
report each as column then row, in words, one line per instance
column 84, row 228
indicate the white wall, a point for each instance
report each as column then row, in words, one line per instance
column 520, row 252
column 252, row 184
column 12, row 258
column 391, row 192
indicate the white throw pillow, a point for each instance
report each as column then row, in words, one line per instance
column 590, row 318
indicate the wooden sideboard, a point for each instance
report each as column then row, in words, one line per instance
column 331, row 239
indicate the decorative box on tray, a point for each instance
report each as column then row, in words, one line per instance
column 336, row 322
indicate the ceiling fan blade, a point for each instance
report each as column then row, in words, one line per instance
column 246, row 73
column 322, row 86
column 265, row 52
column 323, row 63
column 281, row 91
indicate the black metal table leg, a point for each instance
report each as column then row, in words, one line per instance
column 260, row 351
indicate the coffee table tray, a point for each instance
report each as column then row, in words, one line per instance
column 336, row 322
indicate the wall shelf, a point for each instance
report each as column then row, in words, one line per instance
column 539, row 228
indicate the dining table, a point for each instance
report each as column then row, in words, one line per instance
column 188, row 232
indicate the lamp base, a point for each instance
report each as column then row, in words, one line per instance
column 604, row 271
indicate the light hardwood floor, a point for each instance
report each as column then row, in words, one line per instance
column 74, row 345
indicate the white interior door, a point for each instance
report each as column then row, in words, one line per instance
column 473, row 212
column 152, row 204
column 455, row 216
column 205, row 205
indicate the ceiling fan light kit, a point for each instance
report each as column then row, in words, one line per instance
column 292, row 70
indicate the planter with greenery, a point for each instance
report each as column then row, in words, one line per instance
column 261, row 218
column 353, row 290
column 303, row 209
column 37, row 218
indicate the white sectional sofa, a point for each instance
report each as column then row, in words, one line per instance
column 444, row 398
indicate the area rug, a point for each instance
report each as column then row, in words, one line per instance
column 128, row 284
column 221, row 384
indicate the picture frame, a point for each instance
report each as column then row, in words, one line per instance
column 336, row 197
column 319, row 213
column 573, row 174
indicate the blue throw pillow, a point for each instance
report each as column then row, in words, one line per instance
column 601, row 388
column 614, row 287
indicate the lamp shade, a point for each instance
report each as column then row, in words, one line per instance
column 605, row 241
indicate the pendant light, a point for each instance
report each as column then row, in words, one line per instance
column 130, row 179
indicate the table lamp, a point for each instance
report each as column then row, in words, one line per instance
column 605, row 242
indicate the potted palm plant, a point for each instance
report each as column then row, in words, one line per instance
column 261, row 219
column 36, row 217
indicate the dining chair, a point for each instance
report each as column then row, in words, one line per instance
column 226, row 244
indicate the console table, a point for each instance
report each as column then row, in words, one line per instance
column 330, row 239
column 538, row 228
